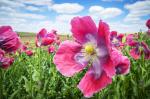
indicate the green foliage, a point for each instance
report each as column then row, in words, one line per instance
column 36, row 77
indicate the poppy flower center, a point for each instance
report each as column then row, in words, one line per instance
column 89, row 49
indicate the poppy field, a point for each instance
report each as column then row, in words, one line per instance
column 93, row 62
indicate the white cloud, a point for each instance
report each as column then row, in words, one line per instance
column 61, row 27
column 65, row 17
column 137, row 10
column 22, row 15
column 6, row 9
column 31, row 5
column 7, row 21
column 23, row 25
column 27, row 15
column 32, row 8
column 98, row 12
column 39, row 2
column 96, row 9
column 127, row 28
column 11, row 3
column 21, row 3
column 67, row 8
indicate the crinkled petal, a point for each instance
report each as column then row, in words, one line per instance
column 108, row 66
column 81, row 26
column 64, row 58
column 5, row 29
column 40, row 36
column 122, row 63
column 104, row 43
column 42, row 33
column 104, row 36
column 90, row 85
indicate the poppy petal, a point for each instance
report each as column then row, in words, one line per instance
column 90, row 85
column 81, row 26
column 64, row 58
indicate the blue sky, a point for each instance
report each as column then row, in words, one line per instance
column 32, row 15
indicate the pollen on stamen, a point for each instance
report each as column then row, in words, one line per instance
column 89, row 49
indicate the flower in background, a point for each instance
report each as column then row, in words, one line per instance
column 4, row 61
column 139, row 48
column 58, row 42
column 43, row 38
column 29, row 52
column 131, row 39
column 116, row 40
column 25, row 49
column 92, row 47
column 51, row 49
column 9, row 40
column 148, row 23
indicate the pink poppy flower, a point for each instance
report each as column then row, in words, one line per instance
column 131, row 39
column 148, row 23
column 29, row 52
column 23, row 48
column 43, row 38
column 92, row 46
column 5, row 62
column 9, row 40
column 58, row 42
column 138, row 49
column 51, row 49
column 116, row 40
